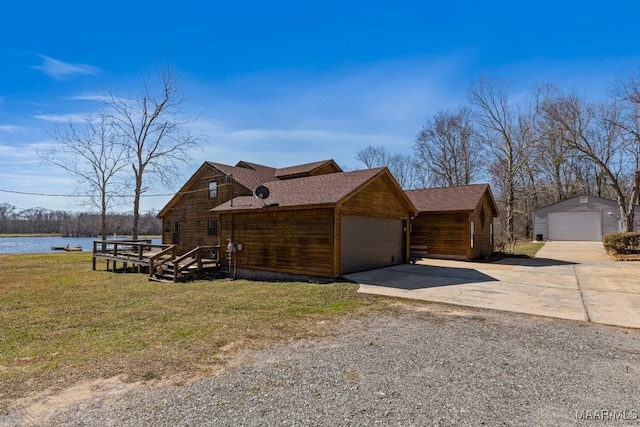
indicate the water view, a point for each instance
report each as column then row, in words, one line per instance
column 16, row 245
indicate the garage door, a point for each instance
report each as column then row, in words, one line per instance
column 368, row 243
column 575, row 226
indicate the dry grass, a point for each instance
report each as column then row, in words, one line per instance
column 61, row 322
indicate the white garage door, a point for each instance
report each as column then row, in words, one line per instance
column 575, row 226
column 369, row 242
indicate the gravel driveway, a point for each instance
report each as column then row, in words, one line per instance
column 446, row 366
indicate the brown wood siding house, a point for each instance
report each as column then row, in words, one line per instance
column 317, row 227
column 187, row 220
column 453, row 222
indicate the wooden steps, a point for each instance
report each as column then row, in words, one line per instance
column 190, row 266
column 160, row 261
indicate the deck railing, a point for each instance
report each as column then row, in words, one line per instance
column 133, row 251
column 161, row 259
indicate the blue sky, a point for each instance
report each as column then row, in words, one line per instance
column 286, row 82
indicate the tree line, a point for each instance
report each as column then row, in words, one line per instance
column 72, row 224
column 535, row 149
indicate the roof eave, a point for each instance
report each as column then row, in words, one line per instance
column 176, row 198
column 448, row 211
column 273, row 208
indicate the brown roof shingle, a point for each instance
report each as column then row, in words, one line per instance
column 302, row 169
column 313, row 190
column 255, row 166
column 449, row 199
column 250, row 175
column 249, row 178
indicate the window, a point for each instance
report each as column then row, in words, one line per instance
column 472, row 227
column 212, row 227
column 213, row 189
column 175, row 237
column 584, row 199
column 491, row 233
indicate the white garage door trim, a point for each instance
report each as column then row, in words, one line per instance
column 369, row 242
column 583, row 226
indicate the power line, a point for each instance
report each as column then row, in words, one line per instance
column 41, row 194
column 28, row 193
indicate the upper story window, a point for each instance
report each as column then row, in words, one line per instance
column 213, row 189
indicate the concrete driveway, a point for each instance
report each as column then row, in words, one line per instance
column 569, row 280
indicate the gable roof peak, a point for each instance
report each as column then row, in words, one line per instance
column 254, row 166
column 305, row 169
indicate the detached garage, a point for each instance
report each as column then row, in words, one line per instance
column 581, row 218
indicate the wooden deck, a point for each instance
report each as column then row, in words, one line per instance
column 160, row 262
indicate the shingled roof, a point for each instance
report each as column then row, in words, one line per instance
column 255, row 166
column 301, row 170
column 328, row 189
column 249, row 178
column 250, row 175
column 450, row 199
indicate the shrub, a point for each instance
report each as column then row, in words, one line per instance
column 622, row 243
column 499, row 246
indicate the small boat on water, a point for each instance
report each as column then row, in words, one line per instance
column 67, row 248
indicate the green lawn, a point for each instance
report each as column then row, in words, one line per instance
column 61, row 322
column 526, row 248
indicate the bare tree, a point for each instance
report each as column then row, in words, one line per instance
column 626, row 94
column 91, row 152
column 372, row 157
column 565, row 174
column 594, row 132
column 448, row 147
column 403, row 167
column 155, row 132
column 406, row 170
column 509, row 134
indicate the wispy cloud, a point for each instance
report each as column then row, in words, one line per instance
column 291, row 118
column 10, row 128
column 61, row 118
column 59, row 70
column 19, row 163
column 283, row 146
column 91, row 97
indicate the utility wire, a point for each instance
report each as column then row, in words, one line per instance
column 28, row 193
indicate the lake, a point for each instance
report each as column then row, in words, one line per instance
column 17, row 245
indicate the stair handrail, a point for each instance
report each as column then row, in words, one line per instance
column 152, row 260
column 197, row 259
